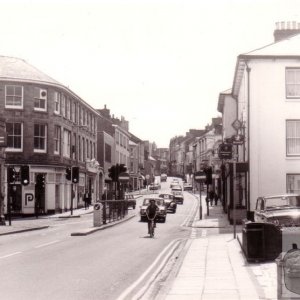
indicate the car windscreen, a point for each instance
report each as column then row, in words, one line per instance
column 282, row 202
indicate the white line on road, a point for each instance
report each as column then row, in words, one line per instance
column 141, row 278
column 190, row 215
column 46, row 244
column 11, row 254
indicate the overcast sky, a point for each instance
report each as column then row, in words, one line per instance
column 159, row 63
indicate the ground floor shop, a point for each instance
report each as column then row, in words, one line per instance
column 49, row 191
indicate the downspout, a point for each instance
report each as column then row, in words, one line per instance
column 248, row 70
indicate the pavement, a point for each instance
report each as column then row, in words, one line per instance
column 214, row 266
column 19, row 225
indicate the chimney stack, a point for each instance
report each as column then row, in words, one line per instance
column 286, row 29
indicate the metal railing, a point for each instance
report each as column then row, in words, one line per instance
column 114, row 210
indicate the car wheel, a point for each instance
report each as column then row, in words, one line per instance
column 164, row 220
column 133, row 206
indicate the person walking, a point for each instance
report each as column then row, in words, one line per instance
column 211, row 197
column 86, row 200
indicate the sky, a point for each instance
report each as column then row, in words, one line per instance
column 159, row 63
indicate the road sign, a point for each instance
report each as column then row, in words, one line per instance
column 199, row 176
column 237, row 124
column 97, row 206
column 238, row 139
column 124, row 177
column 225, row 151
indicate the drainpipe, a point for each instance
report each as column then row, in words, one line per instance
column 248, row 69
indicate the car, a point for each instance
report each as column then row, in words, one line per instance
column 187, row 187
column 160, row 202
column 170, row 202
column 163, row 177
column 176, row 187
column 131, row 202
column 281, row 210
column 154, row 186
column 178, row 196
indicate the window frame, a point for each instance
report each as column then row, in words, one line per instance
column 38, row 150
column 11, row 149
column 57, row 139
column 288, row 154
column 39, row 99
column 57, row 103
column 288, row 84
column 10, row 106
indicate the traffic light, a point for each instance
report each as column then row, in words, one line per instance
column 25, row 175
column 11, row 174
column 68, row 173
column 75, row 174
column 40, row 181
column 112, row 172
column 208, row 173
column 122, row 168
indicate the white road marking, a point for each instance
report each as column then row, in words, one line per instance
column 11, row 254
column 187, row 219
column 204, row 233
column 46, row 244
column 172, row 244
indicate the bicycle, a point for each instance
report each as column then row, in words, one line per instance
column 151, row 226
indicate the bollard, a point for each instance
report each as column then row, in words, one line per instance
column 98, row 209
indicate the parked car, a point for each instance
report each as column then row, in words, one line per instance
column 187, row 187
column 154, row 186
column 162, row 213
column 178, row 196
column 174, row 182
column 170, row 202
column 282, row 210
column 131, row 202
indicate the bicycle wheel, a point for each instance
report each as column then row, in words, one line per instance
column 152, row 229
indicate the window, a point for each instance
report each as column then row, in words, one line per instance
column 57, row 139
column 14, row 136
column 13, row 96
column 73, row 117
column 57, row 97
column 293, row 183
column 39, row 137
column 40, row 99
column 63, row 105
column 67, row 143
column 292, row 83
column 293, row 137
column 68, row 109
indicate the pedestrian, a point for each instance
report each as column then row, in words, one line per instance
column 211, row 197
column 216, row 199
column 86, row 200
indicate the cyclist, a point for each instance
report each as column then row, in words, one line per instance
column 151, row 212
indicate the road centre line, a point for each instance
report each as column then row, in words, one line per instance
column 11, row 254
column 141, row 278
column 46, row 244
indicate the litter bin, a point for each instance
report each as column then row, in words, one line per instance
column 253, row 241
column 98, row 211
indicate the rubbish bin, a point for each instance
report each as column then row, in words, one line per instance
column 253, row 241
column 98, row 213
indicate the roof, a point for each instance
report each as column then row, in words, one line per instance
column 286, row 48
column 19, row 69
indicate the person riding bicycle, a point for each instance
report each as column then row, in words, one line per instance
column 151, row 212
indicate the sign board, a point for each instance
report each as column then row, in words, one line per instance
column 225, row 151
column 238, row 139
column 237, row 124
column 199, row 176
column 2, row 137
column 124, row 177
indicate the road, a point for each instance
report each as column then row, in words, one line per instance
column 116, row 263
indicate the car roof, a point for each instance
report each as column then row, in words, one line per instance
column 280, row 196
column 169, row 194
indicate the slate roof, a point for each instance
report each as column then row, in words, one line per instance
column 19, row 69
column 287, row 47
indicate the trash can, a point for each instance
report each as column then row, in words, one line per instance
column 98, row 214
column 272, row 241
column 253, row 241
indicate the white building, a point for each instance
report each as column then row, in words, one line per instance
column 267, row 89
